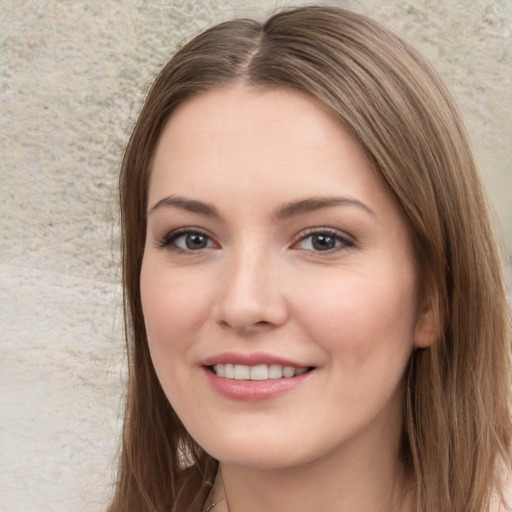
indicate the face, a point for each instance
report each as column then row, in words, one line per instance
column 278, row 286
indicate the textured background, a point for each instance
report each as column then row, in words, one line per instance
column 72, row 78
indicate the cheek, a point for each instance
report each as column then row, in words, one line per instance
column 172, row 307
column 362, row 319
column 174, row 311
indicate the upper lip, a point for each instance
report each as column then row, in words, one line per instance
column 253, row 359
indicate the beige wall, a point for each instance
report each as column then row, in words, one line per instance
column 72, row 77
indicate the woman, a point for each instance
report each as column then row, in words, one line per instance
column 315, row 311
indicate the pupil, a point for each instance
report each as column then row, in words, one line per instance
column 323, row 242
column 196, row 242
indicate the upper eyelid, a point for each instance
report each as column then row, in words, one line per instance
column 176, row 233
column 172, row 235
column 344, row 240
column 324, row 229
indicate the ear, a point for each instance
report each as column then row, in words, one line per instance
column 426, row 329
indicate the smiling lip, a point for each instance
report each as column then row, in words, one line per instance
column 253, row 359
column 253, row 390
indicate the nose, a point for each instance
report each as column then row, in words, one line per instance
column 250, row 296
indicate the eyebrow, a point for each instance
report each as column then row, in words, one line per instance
column 190, row 205
column 312, row 204
column 286, row 210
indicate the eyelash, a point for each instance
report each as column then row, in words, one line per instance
column 168, row 241
column 342, row 241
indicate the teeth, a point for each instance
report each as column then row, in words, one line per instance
column 259, row 372
column 288, row 371
column 242, row 372
column 275, row 371
column 229, row 371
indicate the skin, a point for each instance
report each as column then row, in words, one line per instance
column 258, row 283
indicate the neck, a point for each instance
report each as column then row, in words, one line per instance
column 371, row 482
column 361, row 474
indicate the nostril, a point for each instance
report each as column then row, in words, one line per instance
column 243, row 324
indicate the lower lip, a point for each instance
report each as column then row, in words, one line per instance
column 253, row 390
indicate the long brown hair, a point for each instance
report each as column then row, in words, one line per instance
column 456, row 424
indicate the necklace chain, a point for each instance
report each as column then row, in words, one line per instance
column 213, row 504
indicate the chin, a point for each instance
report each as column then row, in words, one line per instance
column 256, row 460
column 262, row 453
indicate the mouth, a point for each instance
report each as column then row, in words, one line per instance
column 260, row 372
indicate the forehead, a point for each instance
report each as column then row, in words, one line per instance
column 247, row 152
column 274, row 136
column 237, row 111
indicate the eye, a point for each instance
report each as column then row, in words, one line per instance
column 187, row 240
column 323, row 240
